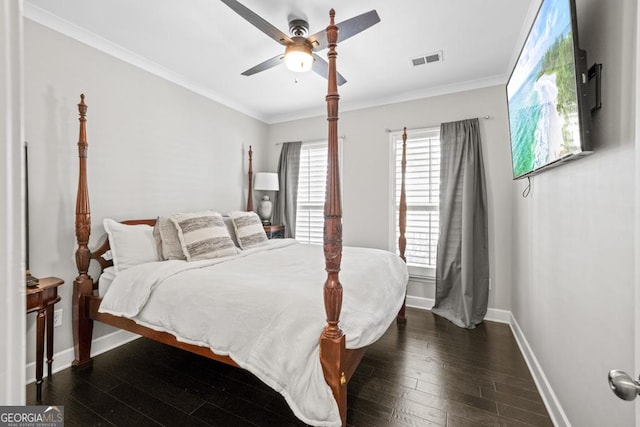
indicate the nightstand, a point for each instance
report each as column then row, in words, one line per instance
column 274, row 231
column 41, row 298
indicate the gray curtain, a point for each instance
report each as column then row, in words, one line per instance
column 286, row 199
column 462, row 263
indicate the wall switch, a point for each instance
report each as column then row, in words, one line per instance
column 490, row 284
column 57, row 318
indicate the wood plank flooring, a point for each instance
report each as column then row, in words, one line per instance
column 427, row 373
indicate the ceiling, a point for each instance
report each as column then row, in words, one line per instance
column 204, row 46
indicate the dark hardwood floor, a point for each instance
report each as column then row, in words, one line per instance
column 427, row 373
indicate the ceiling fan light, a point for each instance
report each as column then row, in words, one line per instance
column 298, row 58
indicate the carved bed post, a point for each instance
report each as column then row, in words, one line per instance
column 83, row 284
column 402, row 220
column 332, row 341
column 250, row 196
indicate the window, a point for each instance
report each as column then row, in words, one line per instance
column 311, row 192
column 422, row 186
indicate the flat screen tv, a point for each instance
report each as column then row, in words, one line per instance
column 547, row 92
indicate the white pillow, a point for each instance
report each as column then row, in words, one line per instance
column 249, row 230
column 130, row 244
column 203, row 235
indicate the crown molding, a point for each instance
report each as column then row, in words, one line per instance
column 73, row 31
column 413, row 95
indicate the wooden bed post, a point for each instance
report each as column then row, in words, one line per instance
column 250, row 196
column 332, row 341
column 402, row 221
column 83, row 284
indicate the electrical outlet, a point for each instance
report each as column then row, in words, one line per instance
column 57, row 318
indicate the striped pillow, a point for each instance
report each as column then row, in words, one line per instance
column 203, row 235
column 249, row 229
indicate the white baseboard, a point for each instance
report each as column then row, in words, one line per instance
column 62, row 360
column 557, row 414
column 493, row 314
column 419, row 302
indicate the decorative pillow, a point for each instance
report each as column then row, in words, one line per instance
column 232, row 231
column 249, row 230
column 167, row 233
column 203, row 235
column 157, row 238
column 130, row 244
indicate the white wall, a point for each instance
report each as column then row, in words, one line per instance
column 366, row 189
column 154, row 148
column 12, row 287
column 573, row 240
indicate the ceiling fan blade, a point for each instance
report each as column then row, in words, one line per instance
column 321, row 67
column 265, row 65
column 258, row 22
column 346, row 29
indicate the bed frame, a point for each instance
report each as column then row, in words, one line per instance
column 338, row 362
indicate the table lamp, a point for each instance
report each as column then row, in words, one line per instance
column 266, row 181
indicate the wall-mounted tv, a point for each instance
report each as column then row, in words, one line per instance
column 547, row 93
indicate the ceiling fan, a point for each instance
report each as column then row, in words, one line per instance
column 299, row 54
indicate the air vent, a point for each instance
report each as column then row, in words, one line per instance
column 429, row 58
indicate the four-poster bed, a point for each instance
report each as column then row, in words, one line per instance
column 337, row 361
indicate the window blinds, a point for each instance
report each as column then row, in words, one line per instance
column 311, row 192
column 422, row 183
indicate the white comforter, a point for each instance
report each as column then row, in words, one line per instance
column 264, row 308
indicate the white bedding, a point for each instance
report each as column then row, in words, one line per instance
column 105, row 279
column 264, row 308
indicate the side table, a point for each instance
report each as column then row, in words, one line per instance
column 274, row 231
column 41, row 299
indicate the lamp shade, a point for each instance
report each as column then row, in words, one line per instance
column 266, row 181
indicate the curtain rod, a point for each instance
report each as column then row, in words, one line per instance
column 309, row 142
column 486, row 117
